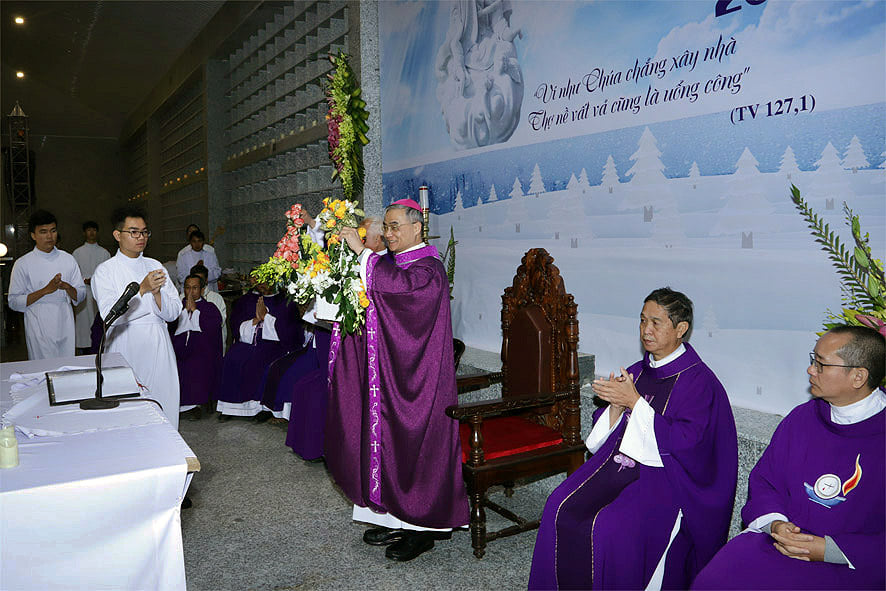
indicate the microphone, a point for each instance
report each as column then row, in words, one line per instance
column 122, row 304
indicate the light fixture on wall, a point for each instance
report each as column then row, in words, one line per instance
column 19, row 20
column 3, row 250
column 19, row 74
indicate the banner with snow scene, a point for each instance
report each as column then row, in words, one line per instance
column 644, row 144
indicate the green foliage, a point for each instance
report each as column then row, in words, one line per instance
column 449, row 261
column 347, row 123
column 860, row 273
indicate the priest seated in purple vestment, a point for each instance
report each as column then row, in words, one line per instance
column 197, row 342
column 816, row 509
column 389, row 444
column 266, row 326
column 653, row 503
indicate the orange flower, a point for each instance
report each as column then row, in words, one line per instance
column 330, row 223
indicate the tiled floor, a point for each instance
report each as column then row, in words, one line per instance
column 264, row 519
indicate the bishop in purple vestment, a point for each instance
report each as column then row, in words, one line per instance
column 816, row 509
column 196, row 340
column 265, row 327
column 389, row 444
column 653, row 503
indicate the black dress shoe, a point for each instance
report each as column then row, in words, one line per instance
column 263, row 416
column 187, row 503
column 383, row 536
column 412, row 545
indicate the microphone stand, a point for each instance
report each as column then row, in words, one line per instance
column 99, row 403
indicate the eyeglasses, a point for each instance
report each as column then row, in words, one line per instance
column 393, row 227
column 137, row 233
column 819, row 366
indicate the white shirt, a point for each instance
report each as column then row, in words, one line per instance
column 88, row 256
column 49, row 321
column 189, row 257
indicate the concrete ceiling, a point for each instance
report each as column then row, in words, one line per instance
column 88, row 65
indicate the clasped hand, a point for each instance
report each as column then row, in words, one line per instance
column 152, row 282
column 261, row 310
column 790, row 541
column 617, row 390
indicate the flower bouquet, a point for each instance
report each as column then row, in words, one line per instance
column 330, row 276
column 277, row 272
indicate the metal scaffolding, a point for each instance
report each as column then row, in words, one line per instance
column 20, row 195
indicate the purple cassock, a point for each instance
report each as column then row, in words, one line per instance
column 308, row 393
column 198, row 355
column 828, row 480
column 389, row 444
column 608, row 524
column 95, row 334
column 245, row 365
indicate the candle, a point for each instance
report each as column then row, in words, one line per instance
column 423, row 196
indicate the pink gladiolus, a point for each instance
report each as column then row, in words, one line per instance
column 872, row 322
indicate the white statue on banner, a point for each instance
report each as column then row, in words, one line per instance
column 479, row 81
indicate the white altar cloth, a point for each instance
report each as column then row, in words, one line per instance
column 95, row 510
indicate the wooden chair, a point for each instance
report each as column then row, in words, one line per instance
column 534, row 429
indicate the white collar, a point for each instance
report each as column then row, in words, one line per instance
column 859, row 411
column 668, row 358
column 411, row 248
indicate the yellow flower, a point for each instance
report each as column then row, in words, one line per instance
column 330, row 223
column 364, row 301
column 325, row 201
column 361, row 231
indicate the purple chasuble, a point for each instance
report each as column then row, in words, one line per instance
column 608, row 524
column 389, row 444
column 308, row 394
column 199, row 355
column 828, row 479
column 244, row 368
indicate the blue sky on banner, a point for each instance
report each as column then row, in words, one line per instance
column 834, row 49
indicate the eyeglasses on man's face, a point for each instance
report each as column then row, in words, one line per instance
column 818, row 366
column 137, row 233
column 394, row 226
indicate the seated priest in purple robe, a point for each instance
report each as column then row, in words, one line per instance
column 196, row 340
column 816, row 509
column 265, row 327
column 653, row 503
column 389, row 444
column 305, row 386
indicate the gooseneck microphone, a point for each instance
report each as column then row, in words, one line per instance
column 122, row 304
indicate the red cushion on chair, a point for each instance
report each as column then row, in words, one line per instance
column 506, row 436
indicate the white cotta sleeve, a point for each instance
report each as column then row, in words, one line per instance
column 268, row 330
column 188, row 321
column 601, row 431
column 247, row 331
column 639, row 439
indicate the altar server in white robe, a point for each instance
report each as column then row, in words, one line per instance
column 197, row 254
column 141, row 334
column 44, row 284
column 89, row 256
